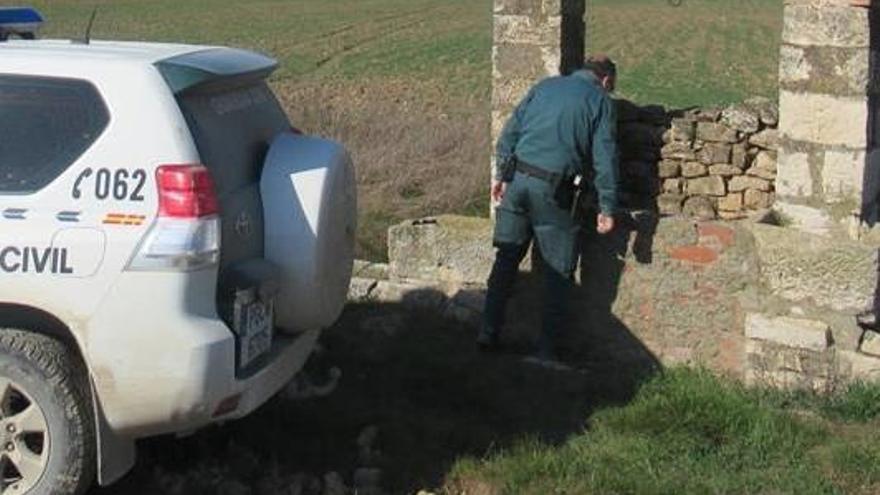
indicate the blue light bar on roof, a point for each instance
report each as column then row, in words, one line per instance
column 21, row 21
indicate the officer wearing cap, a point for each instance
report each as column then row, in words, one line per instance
column 565, row 127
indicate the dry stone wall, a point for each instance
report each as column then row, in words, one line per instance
column 700, row 163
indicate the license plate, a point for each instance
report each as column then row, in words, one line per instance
column 254, row 328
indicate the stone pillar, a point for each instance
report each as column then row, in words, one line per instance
column 533, row 39
column 824, row 114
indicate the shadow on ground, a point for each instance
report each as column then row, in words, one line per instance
column 415, row 376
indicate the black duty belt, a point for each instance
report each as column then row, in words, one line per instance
column 537, row 172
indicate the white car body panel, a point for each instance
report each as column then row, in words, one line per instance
column 160, row 358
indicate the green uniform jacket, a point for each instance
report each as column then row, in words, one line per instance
column 566, row 124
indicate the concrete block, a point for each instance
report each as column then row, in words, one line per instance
column 842, row 175
column 447, row 249
column 825, row 25
column 789, row 332
column 823, row 119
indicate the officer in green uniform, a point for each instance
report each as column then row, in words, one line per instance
column 566, row 126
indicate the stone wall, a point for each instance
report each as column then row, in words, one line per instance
column 716, row 163
column 768, row 304
column 824, row 79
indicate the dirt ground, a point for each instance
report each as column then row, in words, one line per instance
column 415, row 394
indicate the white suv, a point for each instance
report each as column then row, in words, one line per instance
column 170, row 249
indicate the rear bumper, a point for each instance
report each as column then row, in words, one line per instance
column 162, row 361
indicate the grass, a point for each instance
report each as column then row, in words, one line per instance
column 406, row 83
column 689, row 432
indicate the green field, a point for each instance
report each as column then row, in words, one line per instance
column 406, row 83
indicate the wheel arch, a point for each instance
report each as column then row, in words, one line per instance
column 115, row 455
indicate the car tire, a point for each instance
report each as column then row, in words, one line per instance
column 44, row 399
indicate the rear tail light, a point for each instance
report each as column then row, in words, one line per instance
column 186, row 233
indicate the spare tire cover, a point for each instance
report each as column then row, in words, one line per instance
column 309, row 207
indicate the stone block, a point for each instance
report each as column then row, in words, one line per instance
column 739, row 156
column 369, row 269
column 768, row 110
column 668, row 168
column 519, row 29
column 731, row 202
column 825, row 25
column 699, row 207
column 764, row 166
column 447, row 249
column 794, row 178
column 794, row 68
column 757, row 200
column 805, row 218
column 678, row 151
column 842, row 175
column 823, row 119
column 528, row 8
column 724, row 170
column 673, row 186
column 713, row 153
column 693, row 169
column 789, row 332
column 714, row 132
column 767, row 139
column 682, row 130
column 741, row 183
column 423, row 295
column 816, row 270
column 360, row 288
column 870, row 344
column 670, row 203
column 833, row 71
column 706, row 186
column 741, row 117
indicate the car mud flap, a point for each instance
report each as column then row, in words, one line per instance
column 116, row 455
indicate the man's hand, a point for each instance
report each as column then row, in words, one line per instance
column 498, row 190
column 604, row 223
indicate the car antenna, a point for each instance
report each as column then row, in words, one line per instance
column 88, row 37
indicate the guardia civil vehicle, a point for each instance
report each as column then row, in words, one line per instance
column 170, row 248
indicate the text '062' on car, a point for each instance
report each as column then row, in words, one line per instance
column 170, row 247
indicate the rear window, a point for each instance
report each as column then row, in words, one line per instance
column 233, row 128
column 46, row 124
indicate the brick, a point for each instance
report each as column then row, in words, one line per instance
column 823, row 119
column 724, row 235
column 693, row 169
column 714, row 132
column 790, row 332
column 699, row 255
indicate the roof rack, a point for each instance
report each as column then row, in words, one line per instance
column 23, row 22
